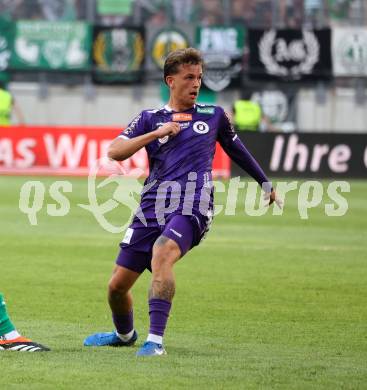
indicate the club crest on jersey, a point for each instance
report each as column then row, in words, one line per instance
column 201, row 127
column 181, row 117
column 163, row 140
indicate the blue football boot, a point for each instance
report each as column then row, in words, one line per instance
column 151, row 349
column 109, row 339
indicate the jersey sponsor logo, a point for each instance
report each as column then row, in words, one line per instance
column 201, row 127
column 128, row 235
column 205, row 110
column 184, row 125
column 180, row 117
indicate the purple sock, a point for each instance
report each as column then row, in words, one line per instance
column 124, row 323
column 158, row 313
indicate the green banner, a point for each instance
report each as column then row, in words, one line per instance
column 221, row 39
column 6, row 41
column 118, row 54
column 222, row 48
column 114, row 7
column 42, row 45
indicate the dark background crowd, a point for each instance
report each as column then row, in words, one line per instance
column 264, row 13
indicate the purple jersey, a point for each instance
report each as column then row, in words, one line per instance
column 181, row 166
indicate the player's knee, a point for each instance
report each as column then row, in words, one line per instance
column 165, row 247
column 117, row 287
column 166, row 254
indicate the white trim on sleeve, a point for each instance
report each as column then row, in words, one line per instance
column 123, row 136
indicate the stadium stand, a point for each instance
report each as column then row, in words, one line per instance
column 41, row 90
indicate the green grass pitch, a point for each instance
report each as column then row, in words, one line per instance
column 264, row 303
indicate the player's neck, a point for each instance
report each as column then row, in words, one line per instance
column 178, row 106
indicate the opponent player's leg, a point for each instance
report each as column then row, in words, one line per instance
column 121, row 304
column 10, row 339
column 175, row 241
column 7, row 328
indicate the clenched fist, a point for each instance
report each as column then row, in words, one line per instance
column 169, row 128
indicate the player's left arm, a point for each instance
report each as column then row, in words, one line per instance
column 237, row 151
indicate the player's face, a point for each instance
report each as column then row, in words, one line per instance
column 185, row 85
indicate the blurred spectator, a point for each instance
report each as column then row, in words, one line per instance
column 26, row 10
column 248, row 115
column 7, row 106
column 8, row 7
column 263, row 14
column 211, row 13
column 315, row 12
column 52, row 10
column 356, row 14
column 153, row 12
column 291, row 13
column 347, row 11
column 243, row 11
column 159, row 17
column 182, row 10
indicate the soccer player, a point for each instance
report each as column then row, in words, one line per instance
column 10, row 339
column 180, row 140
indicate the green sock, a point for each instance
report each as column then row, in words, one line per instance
column 6, row 325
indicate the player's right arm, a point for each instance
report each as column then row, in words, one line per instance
column 125, row 146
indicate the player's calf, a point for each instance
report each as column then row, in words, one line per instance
column 165, row 254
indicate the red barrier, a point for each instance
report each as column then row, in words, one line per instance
column 37, row 150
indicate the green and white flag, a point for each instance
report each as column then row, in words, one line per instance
column 223, row 48
column 45, row 45
column 349, row 51
column 118, row 54
column 6, row 40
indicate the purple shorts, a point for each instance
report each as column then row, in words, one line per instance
column 137, row 246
